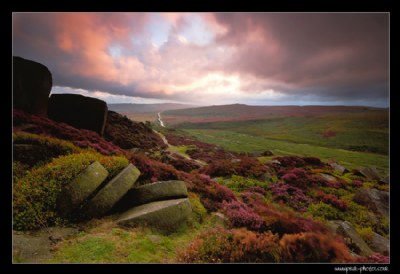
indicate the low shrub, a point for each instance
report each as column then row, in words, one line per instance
column 127, row 134
column 357, row 183
column 311, row 247
column 35, row 194
column 199, row 211
column 19, row 170
column 280, row 219
column 221, row 168
column 313, row 161
column 290, row 161
column 232, row 246
column 296, row 177
column 324, row 211
column 375, row 258
column 290, row 195
column 31, row 148
column 366, row 233
column 246, row 167
column 210, row 192
column 152, row 170
column 240, row 215
column 239, row 183
column 80, row 137
column 334, row 201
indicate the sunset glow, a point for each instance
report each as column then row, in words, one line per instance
column 254, row 58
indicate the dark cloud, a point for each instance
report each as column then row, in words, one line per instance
column 324, row 52
column 332, row 57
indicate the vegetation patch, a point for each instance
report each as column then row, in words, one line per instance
column 232, row 246
column 35, row 194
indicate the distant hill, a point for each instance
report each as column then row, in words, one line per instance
column 246, row 112
column 146, row 108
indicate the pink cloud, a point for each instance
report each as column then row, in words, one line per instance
column 252, row 53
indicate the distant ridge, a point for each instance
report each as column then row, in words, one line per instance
column 147, row 108
column 218, row 113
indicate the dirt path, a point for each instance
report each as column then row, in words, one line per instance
column 159, row 120
column 174, row 150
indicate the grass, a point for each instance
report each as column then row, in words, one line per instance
column 105, row 242
column 241, row 142
column 366, row 132
column 181, row 150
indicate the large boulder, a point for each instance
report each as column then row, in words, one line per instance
column 373, row 199
column 379, row 244
column 80, row 188
column 32, row 84
column 352, row 238
column 165, row 216
column 158, row 191
column 109, row 195
column 78, row 111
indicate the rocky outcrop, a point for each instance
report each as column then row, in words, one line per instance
column 80, row 188
column 370, row 173
column 78, row 111
column 165, row 216
column 385, row 179
column 352, row 238
column 328, row 177
column 32, row 84
column 110, row 194
column 158, row 191
column 37, row 246
column 339, row 168
column 373, row 199
column 379, row 244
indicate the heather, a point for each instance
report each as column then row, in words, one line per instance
column 275, row 208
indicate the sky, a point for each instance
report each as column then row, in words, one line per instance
column 212, row 58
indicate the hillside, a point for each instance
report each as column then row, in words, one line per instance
column 145, row 112
column 92, row 186
column 282, row 207
column 354, row 136
column 240, row 112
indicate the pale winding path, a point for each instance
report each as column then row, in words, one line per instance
column 172, row 148
column 159, row 120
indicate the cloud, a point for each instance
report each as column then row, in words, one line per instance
column 327, row 51
column 206, row 57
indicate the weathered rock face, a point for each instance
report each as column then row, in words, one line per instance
column 109, row 195
column 339, row 168
column 78, row 111
column 328, row 177
column 36, row 246
column 352, row 238
column 79, row 189
column 32, row 84
column 380, row 244
column 370, row 173
column 158, row 191
column 373, row 199
column 165, row 216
